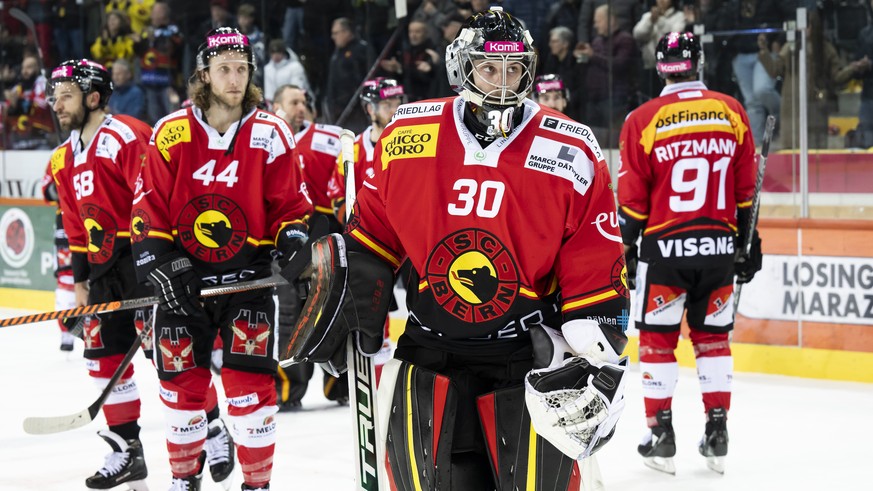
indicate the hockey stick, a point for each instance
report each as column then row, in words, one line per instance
column 369, row 453
column 37, row 425
column 756, row 204
column 21, row 16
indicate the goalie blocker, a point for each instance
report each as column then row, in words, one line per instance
column 346, row 296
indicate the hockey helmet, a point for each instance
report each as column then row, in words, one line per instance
column 493, row 35
column 379, row 89
column 678, row 55
column 223, row 39
column 88, row 75
column 550, row 82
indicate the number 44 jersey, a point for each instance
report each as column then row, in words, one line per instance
column 221, row 208
column 520, row 232
column 687, row 165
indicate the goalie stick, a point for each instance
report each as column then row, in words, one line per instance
column 756, row 204
column 369, row 451
column 37, row 425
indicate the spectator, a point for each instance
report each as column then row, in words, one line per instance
column 864, row 70
column 11, row 52
column 28, row 116
column 663, row 17
column 561, row 61
column 245, row 18
column 159, row 51
column 436, row 13
column 417, row 61
column 115, row 42
column 138, row 11
column 561, row 14
column 626, row 13
column 67, row 29
column 450, row 28
column 825, row 72
column 349, row 65
column 128, row 97
column 40, row 12
column 758, row 88
column 284, row 68
column 292, row 26
column 602, row 113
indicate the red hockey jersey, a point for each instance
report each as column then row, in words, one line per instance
column 222, row 210
column 500, row 238
column 687, row 164
column 95, row 188
column 364, row 150
column 319, row 147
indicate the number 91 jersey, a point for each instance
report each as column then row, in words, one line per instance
column 521, row 232
column 687, row 165
column 221, row 210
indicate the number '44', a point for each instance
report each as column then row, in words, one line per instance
column 206, row 173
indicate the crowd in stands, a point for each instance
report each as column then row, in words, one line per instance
column 605, row 58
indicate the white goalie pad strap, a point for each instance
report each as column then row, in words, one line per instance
column 577, row 405
column 589, row 340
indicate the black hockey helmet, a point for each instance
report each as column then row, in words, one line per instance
column 223, row 39
column 90, row 76
column 492, row 35
column 550, row 82
column 379, row 89
column 678, row 55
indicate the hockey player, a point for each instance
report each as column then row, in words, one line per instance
column 686, row 185
column 221, row 193
column 319, row 147
column 65, row 298
column 380, row 99
column 95, row 172
column 550, row 91
column 512, row 241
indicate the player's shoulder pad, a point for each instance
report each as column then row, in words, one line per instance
column 422, row 109
column 262, row 116
column 171, row 130
column 122, row 126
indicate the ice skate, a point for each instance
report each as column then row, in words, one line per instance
column 219, row 453
column 190, row 483
column 124, row 465
column 714, row 445
column 246, row 487
column 67, row 341
column 659, row 446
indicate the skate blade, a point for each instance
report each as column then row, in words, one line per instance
column 661, row 464
column 715, row 464
column 137, row 485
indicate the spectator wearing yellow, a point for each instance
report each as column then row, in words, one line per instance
column 115, row 41
column 138, row 12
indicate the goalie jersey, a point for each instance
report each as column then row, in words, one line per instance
column 519, row 233
column 687, row 166
column 222, row 209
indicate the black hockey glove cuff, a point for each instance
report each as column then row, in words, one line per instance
column 289, row 240
column 629, row 225
column 81, row 268
column 631, row 259
column 745, row 266
column 177, row 285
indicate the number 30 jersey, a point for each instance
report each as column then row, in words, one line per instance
column 521, row 232
column 687, row 165
column 221, row 210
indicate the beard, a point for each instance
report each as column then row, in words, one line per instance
column 227, row 102
column 74, row 121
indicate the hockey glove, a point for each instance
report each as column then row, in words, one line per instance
column 177, row 285
column 631, row 259
column 290, row 240
column 745, row 266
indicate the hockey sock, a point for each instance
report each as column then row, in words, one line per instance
column 128, row 431
column 715, row 368
column 660, row 371
column 251, row 410
column 184, row 399
column 123, row 404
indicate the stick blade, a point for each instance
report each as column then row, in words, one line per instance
column 37, row 425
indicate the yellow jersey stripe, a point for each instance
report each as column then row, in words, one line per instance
column 745, row 204
column 324, row 209
column 78, row 248
column 655, row 228
column 582, row 302
column 162, row 235
column 638, row 216
column 255, row 242
column 375, row 247
column 527, row 293
column 123, row 234
column 422, row 286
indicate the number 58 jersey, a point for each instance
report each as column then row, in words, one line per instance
column 222, row 209
column 521, row 232
column 687, row 165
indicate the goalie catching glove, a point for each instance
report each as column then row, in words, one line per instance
column 575, row 402
column 350, row 292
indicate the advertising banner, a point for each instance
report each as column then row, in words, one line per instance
column 27, row 258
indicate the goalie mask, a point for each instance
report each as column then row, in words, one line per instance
column 224, row 39
column 491, row 65
column 87, row 75
column 678, row 55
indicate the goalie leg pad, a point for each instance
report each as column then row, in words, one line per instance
column 420, row 423
column 349, row 292
column 516, row 452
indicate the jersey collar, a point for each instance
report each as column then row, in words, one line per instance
column 682, row 86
